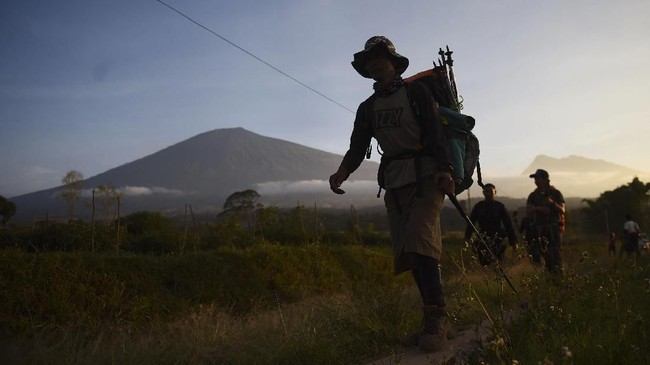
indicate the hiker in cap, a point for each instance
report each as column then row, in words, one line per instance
column 415, row 171
column 546, row 206
column 494, row 223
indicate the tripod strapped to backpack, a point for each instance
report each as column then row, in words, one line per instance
column 463, row 144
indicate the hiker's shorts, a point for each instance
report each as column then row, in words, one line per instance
column 414, row 222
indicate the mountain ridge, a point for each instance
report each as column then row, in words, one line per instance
column 205, row 169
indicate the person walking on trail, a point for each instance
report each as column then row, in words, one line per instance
column 611, row 247
column 415, row 171
column 494, row 224
column 631, row 232
column 546, row 206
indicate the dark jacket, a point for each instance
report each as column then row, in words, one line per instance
column 538, row 198
column 492, row 218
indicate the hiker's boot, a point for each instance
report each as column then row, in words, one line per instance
column 414, row 338
column 436, row 329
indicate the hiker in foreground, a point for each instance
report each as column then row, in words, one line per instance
column 494, row 224
column 415, row 171
column 546, row 206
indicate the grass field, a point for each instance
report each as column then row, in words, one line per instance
column 311, row 304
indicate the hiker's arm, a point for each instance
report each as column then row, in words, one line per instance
column 556, row 202
column 359, row 141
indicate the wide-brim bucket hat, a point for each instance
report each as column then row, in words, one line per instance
column 361, row 58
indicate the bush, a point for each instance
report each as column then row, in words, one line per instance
column 149, row 232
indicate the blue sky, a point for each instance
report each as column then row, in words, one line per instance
column 91, row 85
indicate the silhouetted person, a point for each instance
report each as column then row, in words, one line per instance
column 494, row 223
column 546, row 206
column 631, row 233
column 611, row 246
column 415, row 170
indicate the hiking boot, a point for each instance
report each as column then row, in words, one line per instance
column 436, row 331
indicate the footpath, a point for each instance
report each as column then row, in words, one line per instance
column 458, row 350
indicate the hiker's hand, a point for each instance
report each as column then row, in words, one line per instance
column 337, row 179
column 445, row 182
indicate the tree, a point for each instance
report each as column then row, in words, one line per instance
column 610, row 207
column 241, row 200
column 73, row 183
column 242, row 203
column 108, row 197
column 7, row 210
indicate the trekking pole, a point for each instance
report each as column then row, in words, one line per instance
column 442, row 68
column 499, row 269
column 452, row 77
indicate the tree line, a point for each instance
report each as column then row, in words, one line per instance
column 244, row 220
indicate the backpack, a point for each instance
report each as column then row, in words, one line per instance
column 463, row 144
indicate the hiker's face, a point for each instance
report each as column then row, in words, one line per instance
column 489, row 193
column 541, row 182
column 380, row 66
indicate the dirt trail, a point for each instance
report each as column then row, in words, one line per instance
column 457, row 352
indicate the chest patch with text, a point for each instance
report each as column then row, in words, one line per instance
column 388, row 118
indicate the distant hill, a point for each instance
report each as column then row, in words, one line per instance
column 204, row 170
column 575, row 176
column 577, row 165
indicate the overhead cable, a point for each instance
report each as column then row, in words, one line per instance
column 252, row 55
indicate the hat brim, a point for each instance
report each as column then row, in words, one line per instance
column 361, row 58
column 540, row 176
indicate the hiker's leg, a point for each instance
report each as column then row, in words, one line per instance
column 427, row 278
column 437, row 327
column 554, row 250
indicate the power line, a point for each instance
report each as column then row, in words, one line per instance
column 254, row 56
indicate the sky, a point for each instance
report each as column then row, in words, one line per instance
column 92, row 85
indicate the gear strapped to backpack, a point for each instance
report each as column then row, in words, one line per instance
column 463, row 144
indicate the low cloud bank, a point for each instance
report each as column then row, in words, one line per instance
column 139, row 191
column 312, row 186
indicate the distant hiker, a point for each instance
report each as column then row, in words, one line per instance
column 494, row 224
column 631, row 233
column 546, row 206
column 415, row 171
column 611, row 247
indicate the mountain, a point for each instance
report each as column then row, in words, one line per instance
column 578, row 165
column 203, row 171
column 574, row 176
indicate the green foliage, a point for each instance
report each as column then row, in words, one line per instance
column 151, row 232
column 242, row 200
column 45, row 289
column 596, row 314
column 7, row 210
column 52, row 236
column 610, row 208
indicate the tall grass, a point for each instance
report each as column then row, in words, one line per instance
column 596, row 313
column 260, row 304
column 311, row 304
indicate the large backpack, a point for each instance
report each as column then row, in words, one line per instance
column 463, row 144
